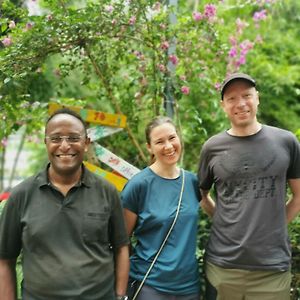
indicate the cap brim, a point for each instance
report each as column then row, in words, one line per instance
column 233, row 77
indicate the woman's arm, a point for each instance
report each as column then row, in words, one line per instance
column 130, row 220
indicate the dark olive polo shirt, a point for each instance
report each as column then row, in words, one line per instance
column 68, row 241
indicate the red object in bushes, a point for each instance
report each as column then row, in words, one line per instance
column 4, row 196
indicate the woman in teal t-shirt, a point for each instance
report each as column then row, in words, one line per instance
column 150, row 201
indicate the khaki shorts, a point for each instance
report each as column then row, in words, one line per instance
column 236, row 284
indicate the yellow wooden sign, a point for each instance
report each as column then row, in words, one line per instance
column 93, row 116
column 118, row 181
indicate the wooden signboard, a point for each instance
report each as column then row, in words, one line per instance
column 118, row 181
column 116, row 163
column 98, row 132
column 93, row 116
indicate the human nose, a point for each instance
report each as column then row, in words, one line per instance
column 64, row 142
column 168, row 145
column 241, row 101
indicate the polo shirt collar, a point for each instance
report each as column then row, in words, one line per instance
column 85, row 180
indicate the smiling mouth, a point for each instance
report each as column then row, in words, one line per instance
column 65, row 155
column 170, row 154
column 242, row 113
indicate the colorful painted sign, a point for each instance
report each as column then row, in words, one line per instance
column 93, row 116
column 118, row 181
column 116, row 163
column 98, row 132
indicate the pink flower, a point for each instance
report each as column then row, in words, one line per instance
column 240, row 25
column 173, row 59
column 246, row 46
column 7, row 41
column 12, row 24
column 29, row 25
column 197, row 16
column 210, row 10
column 132, row 20
column 185, row 90
column 232, row 40
column 164, row 45
column 260, row 15
column 232, row 52
column 162, row 68
column 241, row 61
column 218, row 86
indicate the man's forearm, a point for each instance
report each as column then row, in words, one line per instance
column 207, row 203
column 8, row 290
column 293, row 205
column 292, row 209
column 122, row 270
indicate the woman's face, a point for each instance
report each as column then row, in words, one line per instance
column 165, row 144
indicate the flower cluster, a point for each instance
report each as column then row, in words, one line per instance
column 259, row 16
column 185, row 90
column 209, row 13
column 7, row 41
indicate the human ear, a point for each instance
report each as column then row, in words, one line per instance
column 149, row 148
column 87, row 143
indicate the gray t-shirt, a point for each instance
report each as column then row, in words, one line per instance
column 68, row 242
column 249, row 175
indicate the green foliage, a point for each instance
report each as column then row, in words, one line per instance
column 118, row 51
column 277, row 68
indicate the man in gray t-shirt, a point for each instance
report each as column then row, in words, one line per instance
column 248, row 254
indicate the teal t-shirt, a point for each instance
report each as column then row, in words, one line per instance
column 154, row 199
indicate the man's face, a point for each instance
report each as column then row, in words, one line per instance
column 240, row 103
column 66, row 154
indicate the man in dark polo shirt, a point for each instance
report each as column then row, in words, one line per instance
column 68, row 223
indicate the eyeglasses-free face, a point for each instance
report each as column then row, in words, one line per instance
column 70, row 139
column 165, row 144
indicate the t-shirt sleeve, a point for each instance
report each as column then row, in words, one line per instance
column 10, row 230
column 294, row 167
column 131, row 194
column 118, row 232
column 195, row 184
column 205, row 176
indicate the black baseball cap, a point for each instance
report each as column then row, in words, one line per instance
column 236, row 76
